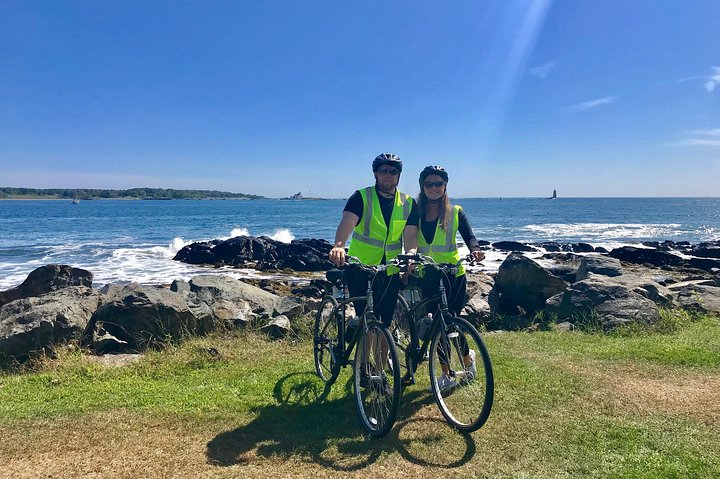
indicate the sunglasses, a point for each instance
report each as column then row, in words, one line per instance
column 388, row 171
column 433, row 184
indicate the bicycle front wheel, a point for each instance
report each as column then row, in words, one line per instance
column 461, row 376
column 376, row 379
column 400, row 330
column 325, row 340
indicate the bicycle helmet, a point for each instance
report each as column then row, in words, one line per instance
column 387, row 159
column 433, row 170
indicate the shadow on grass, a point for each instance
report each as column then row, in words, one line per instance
column 304, row 424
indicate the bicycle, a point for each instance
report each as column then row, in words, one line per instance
column 376, row 375
column 461, row 376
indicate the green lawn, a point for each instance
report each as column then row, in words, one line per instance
column 567, row 405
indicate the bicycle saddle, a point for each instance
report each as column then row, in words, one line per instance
column 334, row 275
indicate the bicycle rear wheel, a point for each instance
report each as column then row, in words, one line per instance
column 461, row 375
column 325, row 340
column 376, row 379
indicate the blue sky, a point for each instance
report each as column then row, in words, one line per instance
column 514, row 98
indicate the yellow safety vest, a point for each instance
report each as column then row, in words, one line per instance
column 371, row 238
column 443, row 248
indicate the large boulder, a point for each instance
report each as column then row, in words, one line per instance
column 45, row 279
column 32, row 324
column 706, row 250
column 523, row 282
column 655, row 257
column 603, row 265
column 264, row 252
column 143, row 316
column 512, row 246
column 600, row 299
column 701, row 298
column 210, row 288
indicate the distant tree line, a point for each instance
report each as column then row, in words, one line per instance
column 134, row 193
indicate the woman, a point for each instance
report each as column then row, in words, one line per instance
column 437, row 234
column 437, row 237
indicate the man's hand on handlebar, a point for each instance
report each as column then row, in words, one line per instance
column 337, row 256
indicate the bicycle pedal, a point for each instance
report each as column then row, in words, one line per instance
column 408, row 380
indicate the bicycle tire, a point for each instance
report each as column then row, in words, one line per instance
column 325, row 340
column 376, row 382
column 401, row 332
column 467, row 400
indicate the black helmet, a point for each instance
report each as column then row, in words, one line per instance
column 387, row 159
column 433, row 170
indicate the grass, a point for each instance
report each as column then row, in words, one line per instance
column 631, row 404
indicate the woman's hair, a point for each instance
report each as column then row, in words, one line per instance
column 445, row 208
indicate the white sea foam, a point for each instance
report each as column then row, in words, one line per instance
column 239, row 232
column 283, row 234
column 604, row 231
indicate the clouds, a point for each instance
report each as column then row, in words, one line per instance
column 541, row 72
column 594, row 103
column 701, row 138
column 713, row 81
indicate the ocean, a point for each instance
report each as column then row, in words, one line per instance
column 127, row 240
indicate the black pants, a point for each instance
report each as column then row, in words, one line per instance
column 385, row 291
column 455, row 288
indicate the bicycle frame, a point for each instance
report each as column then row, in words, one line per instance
column 419, row 351
column 345, row 348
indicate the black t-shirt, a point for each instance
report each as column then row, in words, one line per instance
column 428, row 229
column 355, row 205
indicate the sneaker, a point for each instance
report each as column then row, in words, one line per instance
column 471, row 370
column 445, row 383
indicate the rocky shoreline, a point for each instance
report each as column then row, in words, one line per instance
column 56, row 304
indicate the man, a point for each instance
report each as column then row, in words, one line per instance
column 381, row 219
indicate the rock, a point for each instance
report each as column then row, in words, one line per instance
column 600, row 249
column 477, row 309
column 197, row 253
column 552, row 246
column 277, row 327
column 653, row 257
column 564, row 326
column 289, row 307
column 599, row 299
column 209, row 288
column 706, row 251
column 307, row 291
column 143, row 316
column 266, row 253
column 581, row 248
column 104, row 342
column 705, row 264
column 566, row 272
column 32, row 324
column 512, row 246
column 45, row 279
column 523, row 282
column 597, row 264
column 180, row 286
column 700, row 298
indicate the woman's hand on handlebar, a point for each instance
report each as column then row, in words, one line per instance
column 337, row 256
column 478, row 255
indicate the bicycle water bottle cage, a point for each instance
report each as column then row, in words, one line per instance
column 334, row 275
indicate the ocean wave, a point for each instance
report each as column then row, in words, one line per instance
column 283, row 235
column 604, row 231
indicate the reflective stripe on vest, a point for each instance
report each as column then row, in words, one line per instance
column 443, row 248
column 371, row 239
